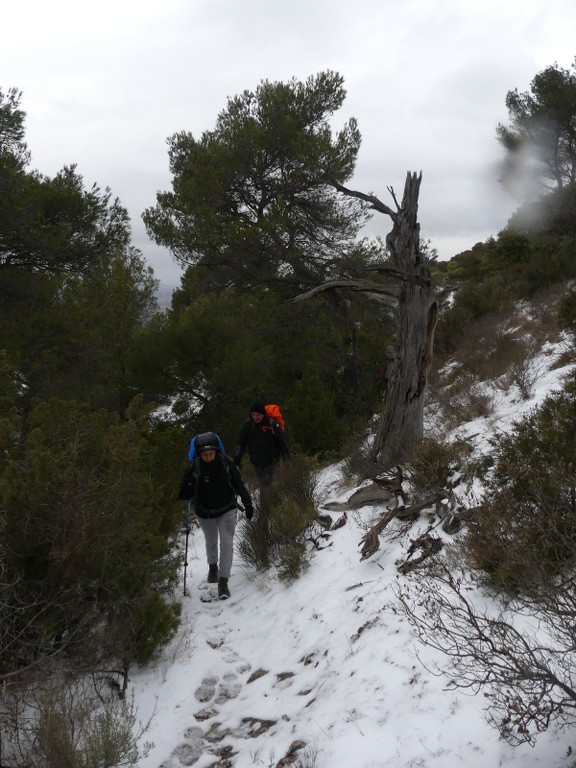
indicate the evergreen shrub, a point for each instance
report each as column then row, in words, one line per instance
column 525, row 529
column 567, row 312
column 311, row 413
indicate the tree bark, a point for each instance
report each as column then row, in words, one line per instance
column 403, row 419
column 416, row 305
column 417, row 315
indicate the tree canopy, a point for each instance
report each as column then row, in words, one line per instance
column 86, row 477
column 250, row 202
column 541, row 137
column 51, row 224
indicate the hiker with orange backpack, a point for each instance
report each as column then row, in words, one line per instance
column 262, row 435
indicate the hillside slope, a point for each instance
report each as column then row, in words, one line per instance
column 325, row 672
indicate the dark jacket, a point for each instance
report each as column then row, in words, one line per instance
column 213, row 486
column 265, row 442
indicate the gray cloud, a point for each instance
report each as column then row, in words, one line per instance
column 105, row 85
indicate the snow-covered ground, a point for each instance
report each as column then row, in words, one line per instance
column 323, row 673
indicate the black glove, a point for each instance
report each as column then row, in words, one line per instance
column 249, row 512
column 186, row 492
column 187, row 485
column 238, row 461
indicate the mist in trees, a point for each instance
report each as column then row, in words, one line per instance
column 541, row 138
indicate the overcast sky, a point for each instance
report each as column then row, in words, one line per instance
column 105, row 84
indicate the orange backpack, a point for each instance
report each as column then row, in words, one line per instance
column 273, row 412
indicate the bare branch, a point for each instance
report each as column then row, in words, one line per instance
column 375, row 203
column 382, row 293
column 522, row 654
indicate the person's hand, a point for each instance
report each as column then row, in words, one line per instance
column 186, row 492
column 249, row 512
column 238, row 462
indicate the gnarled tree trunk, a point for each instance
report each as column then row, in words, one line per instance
column 416, row 306
column 403, row 418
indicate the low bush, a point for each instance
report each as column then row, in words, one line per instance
column 434, row 463
column 285, row 513
column 72, row 724
column 525, row 529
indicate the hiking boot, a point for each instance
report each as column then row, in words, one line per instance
column 223, row 591
column 213, row 573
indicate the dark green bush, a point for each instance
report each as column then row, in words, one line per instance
column 567, row 311
column 88, row 527
column 311, row 411
column 526, row 526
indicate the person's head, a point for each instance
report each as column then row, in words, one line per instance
column 207, row 446
column 257, row 412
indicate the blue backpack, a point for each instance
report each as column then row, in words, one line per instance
column 204, row 438
column 212, row 440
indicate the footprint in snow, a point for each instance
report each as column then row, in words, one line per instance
column 206, row 689
column 228, row 688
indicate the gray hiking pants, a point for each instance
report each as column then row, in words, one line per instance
column 220, row 528
column 265, row 475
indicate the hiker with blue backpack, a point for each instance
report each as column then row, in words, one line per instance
column 212, row 482
column 263, row 437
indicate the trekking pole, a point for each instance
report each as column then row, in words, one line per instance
column 186, row 548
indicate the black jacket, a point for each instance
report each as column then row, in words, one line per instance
column 265, row 442
column 213, row 486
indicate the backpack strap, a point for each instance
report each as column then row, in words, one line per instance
column 226, row 464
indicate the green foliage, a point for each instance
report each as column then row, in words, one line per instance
column 250, row 202
column 537, row 247
column 106, row 310
column 10, row 418
column 312, row 415
column 12, row 146
column 292, row 559
column 88, row 514
column 52, row 225
column 526, row 527
column 541, row 138
column 150, row 626
column 285, row 513
column 472, row 302
column 216, row 355
column 87, row 477
column 254, row 216
column 535, row 251
column 74, row 337
column 567, row 311
column 433, row 464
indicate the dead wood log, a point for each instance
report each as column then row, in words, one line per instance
column 371, row 543
column 371, row 494
column 430, row 501
column 426, row 545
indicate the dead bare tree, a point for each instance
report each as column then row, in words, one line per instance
column 416, row 303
